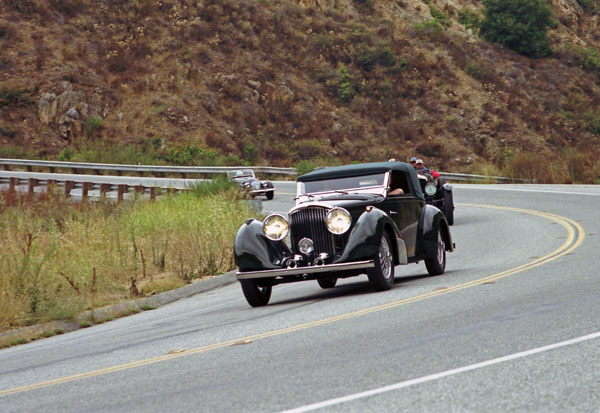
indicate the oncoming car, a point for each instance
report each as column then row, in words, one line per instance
column 250, row 183
column 347, row 221
column 438, row 193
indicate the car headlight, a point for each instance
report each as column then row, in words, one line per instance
column 275, row 227
column 430, row 188
column 338, row 221
column 255, row 185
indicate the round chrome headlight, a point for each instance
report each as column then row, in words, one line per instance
column 338, row 221
column 430, row 188
column 275, row 227
column 255, row 185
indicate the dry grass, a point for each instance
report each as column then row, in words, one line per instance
column 59, row 259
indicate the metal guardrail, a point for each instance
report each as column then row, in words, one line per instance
column 484, row 178
column 96, row 186
column 183, row 171
column 157, row 170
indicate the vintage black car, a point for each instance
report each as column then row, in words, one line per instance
column 251, row 184
column 438, row 193
column 346, row 222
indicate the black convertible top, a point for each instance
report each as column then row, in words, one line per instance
column 360, row 169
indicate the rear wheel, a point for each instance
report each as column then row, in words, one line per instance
column 381, row 276
column 437, row 265
column 327, row 282
column 256, row 294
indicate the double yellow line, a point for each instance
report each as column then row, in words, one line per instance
column 575, row 236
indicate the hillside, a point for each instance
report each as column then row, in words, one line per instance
column 304, row 82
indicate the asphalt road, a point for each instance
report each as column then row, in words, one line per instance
column 511, row 326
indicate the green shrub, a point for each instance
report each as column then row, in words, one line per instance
column 7, row 131
column 430, row 27
column 439, row 16
column 469, row 19
column 519, row 25
column 367, row 4
column 93, row 125
column 593, row 120
column 588, row 59
column 305, row 166
column 250, row 152
column 17, row 97
column 15, row 152
column 589, row 6
column 381, row 55
column 346, row 89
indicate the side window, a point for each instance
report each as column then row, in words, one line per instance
column 400, row 180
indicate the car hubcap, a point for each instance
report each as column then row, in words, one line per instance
column 385, row 259
column 441, row 249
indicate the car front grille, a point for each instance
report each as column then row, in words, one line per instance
column 310, row 223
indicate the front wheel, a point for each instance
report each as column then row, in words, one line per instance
column 256, row 294
column 270, row 195
column 325, row 283
column 381, row 276
column 437, row 265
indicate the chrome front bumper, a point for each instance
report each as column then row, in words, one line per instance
column 261, row 191
column 312, row 269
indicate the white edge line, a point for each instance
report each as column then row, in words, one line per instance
column 544, row 191
column 436, row 376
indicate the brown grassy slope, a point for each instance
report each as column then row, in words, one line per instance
column 275, row 82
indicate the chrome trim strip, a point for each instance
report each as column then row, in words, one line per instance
column 262, row 190
column 310, row 204
column 305, row 270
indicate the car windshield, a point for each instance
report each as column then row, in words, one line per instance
column 240, row 173
column 347, row 184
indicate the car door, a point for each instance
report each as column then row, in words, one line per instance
column 404, row 209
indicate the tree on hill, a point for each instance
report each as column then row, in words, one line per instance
column 519, row 25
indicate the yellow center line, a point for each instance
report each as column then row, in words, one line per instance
column 574, row 240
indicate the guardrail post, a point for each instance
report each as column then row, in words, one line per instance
column 121, row 189
column 6, row 167
column 139, row 189
column 84, row 191
column 152, row 193
column 69, row 185
column 29, row 168
column 50, row 185
column 31, row 189
column 14, row 182
column 104, row 188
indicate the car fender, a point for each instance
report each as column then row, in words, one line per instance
column 431, row 221
column 267, row 184
column 254, row 251
column 365, row 237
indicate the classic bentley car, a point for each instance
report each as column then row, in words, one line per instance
column 347, row 221
column 250, row 183
column 438, row 193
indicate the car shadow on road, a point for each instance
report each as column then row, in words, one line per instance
column 361, row 287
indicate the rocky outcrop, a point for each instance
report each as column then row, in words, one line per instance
column 70, row 108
